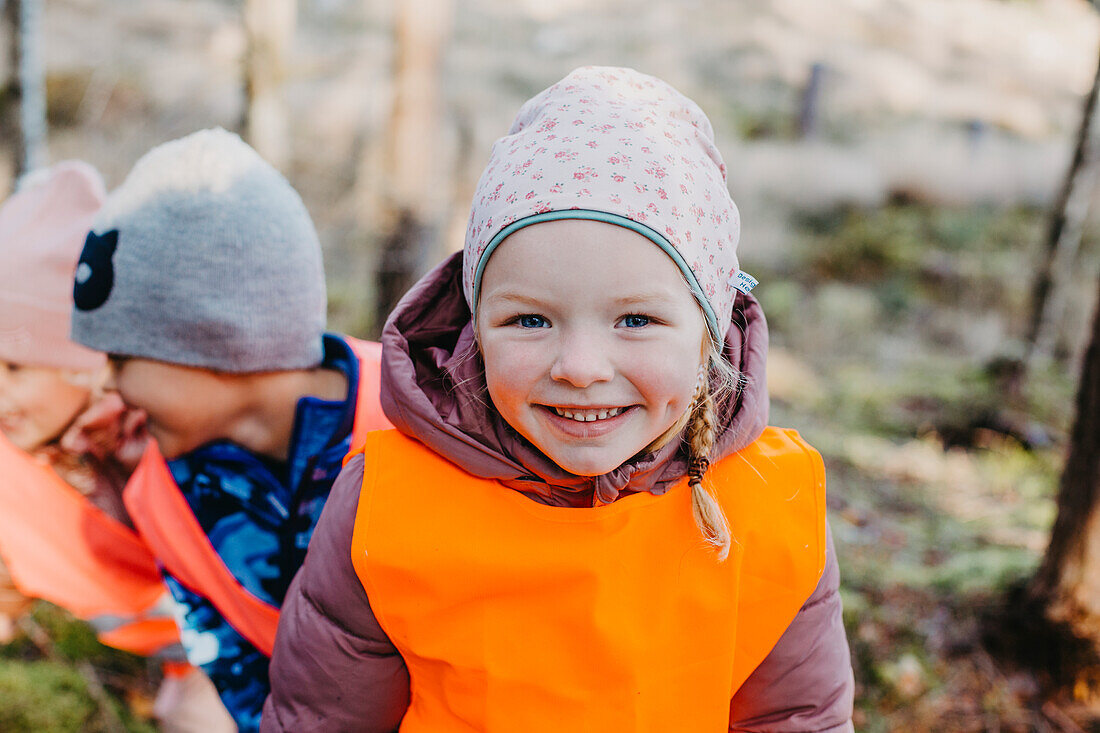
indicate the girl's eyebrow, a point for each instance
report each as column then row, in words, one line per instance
column 653, row 297
column 513, row 296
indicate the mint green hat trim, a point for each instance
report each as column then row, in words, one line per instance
column 617, row 219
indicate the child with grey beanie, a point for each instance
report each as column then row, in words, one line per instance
column 202, row 280
column 204, row 257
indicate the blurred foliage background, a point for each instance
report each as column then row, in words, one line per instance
column 895, row 162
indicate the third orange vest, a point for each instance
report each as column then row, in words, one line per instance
column 167, row 524
column 516, row 616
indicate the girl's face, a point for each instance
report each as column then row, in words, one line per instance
column 591, row 341
column 37, row 404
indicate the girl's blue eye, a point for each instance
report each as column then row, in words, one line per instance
column 532, row 321
column 635, row 321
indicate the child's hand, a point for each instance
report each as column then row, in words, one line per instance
column 108, row 431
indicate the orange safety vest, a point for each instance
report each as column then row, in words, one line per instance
column 167, row 524
column 517, row 616
column 60, row 547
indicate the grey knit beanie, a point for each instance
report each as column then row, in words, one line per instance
column 206, row 257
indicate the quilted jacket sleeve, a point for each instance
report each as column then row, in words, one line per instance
column 333, row 668
column 805, row 684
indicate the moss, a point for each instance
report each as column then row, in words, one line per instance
column 72, row 639
column 44, row 696
column 983, row 568
column 52, row 697
column 910, row 253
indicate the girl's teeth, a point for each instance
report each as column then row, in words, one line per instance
column 588, row 415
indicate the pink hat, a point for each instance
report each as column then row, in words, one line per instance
column 42, row 230
column 617, row 146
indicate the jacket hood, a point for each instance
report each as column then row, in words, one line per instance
column 433, row 389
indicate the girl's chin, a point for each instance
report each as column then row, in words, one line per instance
column 589, row 461
column 587, row 470
column 25, row 439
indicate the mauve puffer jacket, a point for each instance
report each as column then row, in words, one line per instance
column 432, row 389
column 328, row 634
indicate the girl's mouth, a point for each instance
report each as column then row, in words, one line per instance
column 588, row 415
column 585, row 423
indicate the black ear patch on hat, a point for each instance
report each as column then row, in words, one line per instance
column 95, row 273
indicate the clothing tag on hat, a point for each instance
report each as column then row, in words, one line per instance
column 743, row 281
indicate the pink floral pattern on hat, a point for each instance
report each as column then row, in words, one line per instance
column 615, row 141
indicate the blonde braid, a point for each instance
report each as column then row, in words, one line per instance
column 704, row 507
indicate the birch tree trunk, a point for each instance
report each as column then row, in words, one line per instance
column 9, row 88
column 417, row 181
column 25, row 95
column 1064, row 234
column 1068, row 581
column 269, row 27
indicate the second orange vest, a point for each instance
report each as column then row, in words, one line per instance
column 516, row 616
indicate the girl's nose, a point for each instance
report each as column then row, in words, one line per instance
column 583, row 360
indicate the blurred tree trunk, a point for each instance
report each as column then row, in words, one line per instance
column 24, row 95
column 1064, row 235
column 809, row 112
column 9, row 81
column 269, row 27
column 417, row 183
column 1067, row 584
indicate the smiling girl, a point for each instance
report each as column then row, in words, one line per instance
column 582, row 521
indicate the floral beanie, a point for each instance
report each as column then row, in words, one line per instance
column 613, row 145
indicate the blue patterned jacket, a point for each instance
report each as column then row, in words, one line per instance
column 259, row 515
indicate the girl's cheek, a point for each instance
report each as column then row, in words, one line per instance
column 37, row 393
column 510, row 359
column 672, row 382
column 672, row 370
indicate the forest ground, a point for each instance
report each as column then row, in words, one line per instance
column 940, row 485
column 894, row 249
